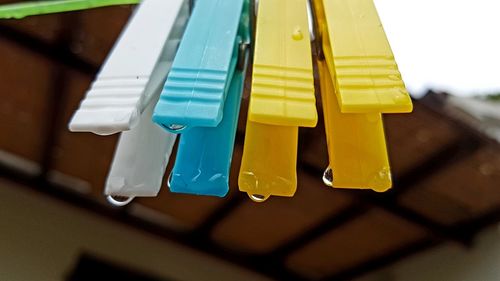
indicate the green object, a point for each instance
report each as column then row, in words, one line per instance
column 493, row 97
column 25, row 9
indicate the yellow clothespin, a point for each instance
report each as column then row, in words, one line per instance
column 282, row 99
column 359, row 81
column 360, row 57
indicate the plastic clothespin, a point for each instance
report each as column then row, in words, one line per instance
column 143, row 152
column 202, row 95
column 282, row 99
column 360, row 58
column 140, row 160
column 136, row 67
column 356, row 143
column 25, row 9
column 359, row 81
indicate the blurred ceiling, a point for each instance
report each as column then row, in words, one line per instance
column 446, row 172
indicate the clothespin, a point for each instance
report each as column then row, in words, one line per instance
column 135, row 69
column 124, row 94
column 282, row 99
column 202, row 94
column 359, row 81
column 140, row 160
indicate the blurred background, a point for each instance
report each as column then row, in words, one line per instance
column 439, row 222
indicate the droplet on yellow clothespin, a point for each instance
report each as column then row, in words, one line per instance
column 297, row 34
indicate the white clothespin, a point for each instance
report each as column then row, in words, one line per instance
column 140, row 160
column 136, row 67
column 124, row 94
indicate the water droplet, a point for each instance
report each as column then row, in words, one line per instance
column 258, row 197
column 400, row 96
column 169, row 180
column 175, row 128
column 297, row 34
column 328, row 177
column 384, row 173
column 119, row 201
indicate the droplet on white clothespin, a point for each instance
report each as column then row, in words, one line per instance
column 119, row 201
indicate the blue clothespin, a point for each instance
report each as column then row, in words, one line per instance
column 198, row 83
column 202, row 95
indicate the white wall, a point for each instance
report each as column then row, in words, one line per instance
column 41, row 239
column 450, row 263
